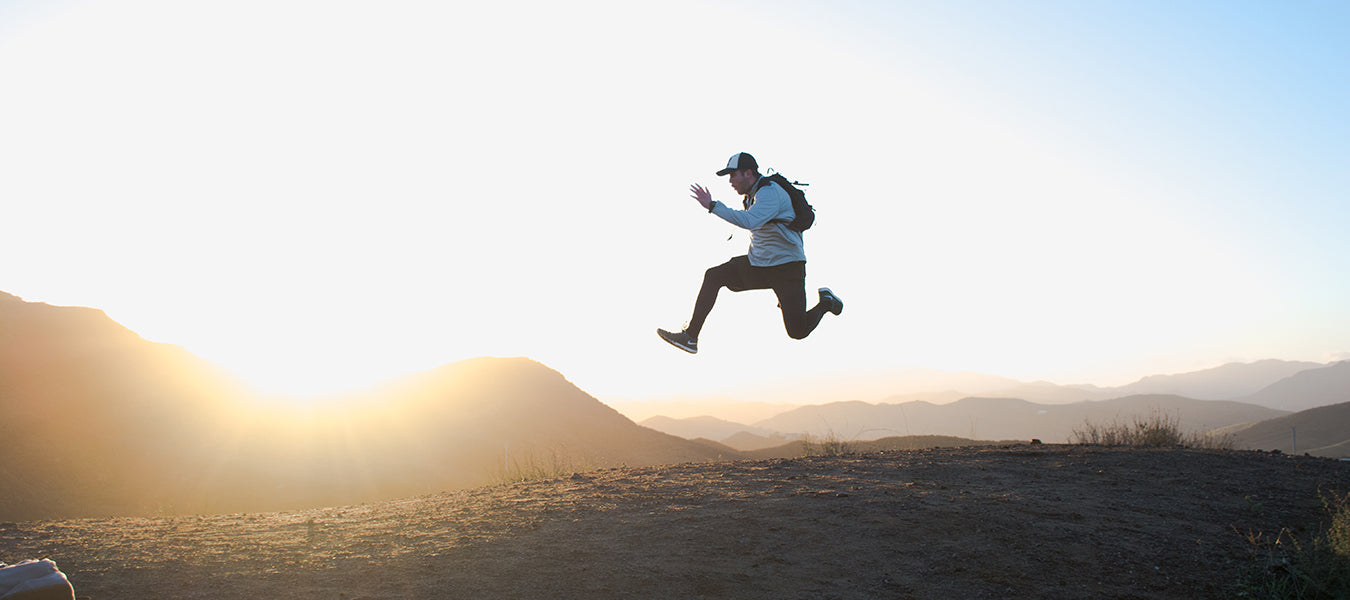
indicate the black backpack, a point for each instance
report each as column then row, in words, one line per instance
column 805, row 215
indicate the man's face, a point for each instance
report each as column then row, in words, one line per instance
column 742, row 180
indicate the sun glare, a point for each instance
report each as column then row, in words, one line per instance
column 321, row 196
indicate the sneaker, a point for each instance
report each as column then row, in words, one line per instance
column 828, row 298
column 679, row 340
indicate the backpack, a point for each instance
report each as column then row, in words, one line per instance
column 805, row 216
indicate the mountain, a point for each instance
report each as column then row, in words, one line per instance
column 946, row 397
column 1321, row 431
column 745, row 441
column 702, row 427
column 733, row 435
column 1233, row 381
column 683, row 408
column 871, row 384
column 1227, row 382
column 1049, row 393
column 1307, row 389
column 1004, row 418
column 98, row 421
column 786, row 392
column 532, row 408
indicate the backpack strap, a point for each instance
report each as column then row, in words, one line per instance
column 782, row 182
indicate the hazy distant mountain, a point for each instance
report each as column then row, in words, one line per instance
column 1227, row 382
column 96, row 421
column 683, row 408
column 1005, row 418
column 701, row 427
column 871, row 385
column 787, row 392
column 1307, row 389
column 1234, row 381
column 1049, row 393
column 929, row 397
column 734, row 435
column 1321, row 431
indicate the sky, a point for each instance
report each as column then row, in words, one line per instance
column 320, row 196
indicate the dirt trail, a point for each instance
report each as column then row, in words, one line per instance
column 1041, row 521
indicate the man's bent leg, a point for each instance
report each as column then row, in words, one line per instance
column 791, row 292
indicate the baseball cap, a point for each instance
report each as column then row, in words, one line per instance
column 739, row 161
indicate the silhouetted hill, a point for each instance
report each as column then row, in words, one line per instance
column 1321, row 431
column 97, row 421
column 1307, row 389
column 464, row 424
column 495, row 402
column 1004, row 418
column 1226, row 382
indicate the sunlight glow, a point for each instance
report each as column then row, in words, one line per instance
column 326, row 195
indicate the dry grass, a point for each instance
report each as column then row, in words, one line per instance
column 830, row 444
column 530, row 464
column 1158, row 430
column 1288, row 567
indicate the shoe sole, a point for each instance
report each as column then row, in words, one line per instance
column 836, row 305
column 661, row 334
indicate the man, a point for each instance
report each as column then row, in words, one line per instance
column 776, row 260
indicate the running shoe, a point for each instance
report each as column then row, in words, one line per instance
column 679, row 340
column 828, row 298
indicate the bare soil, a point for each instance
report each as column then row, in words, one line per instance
column 1025, row 521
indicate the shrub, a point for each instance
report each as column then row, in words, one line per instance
column 1157, row 431
column 1289, row 569
column 831, row 444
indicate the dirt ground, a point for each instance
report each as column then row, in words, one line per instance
column 1025, row 521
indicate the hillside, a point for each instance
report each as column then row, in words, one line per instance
column 1307, row 389
column 1321, row 431
column 1004, row 418
column 1233, row 381
column 96, row 419
column 1227, row 382
column 101, row 422
column 1008, row 522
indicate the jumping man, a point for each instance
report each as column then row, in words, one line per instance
column 776, row 260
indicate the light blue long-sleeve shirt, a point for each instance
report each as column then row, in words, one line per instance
column 771, row 242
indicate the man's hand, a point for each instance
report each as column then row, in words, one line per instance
column 703, row 196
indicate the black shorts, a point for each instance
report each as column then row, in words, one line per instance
column 738, row 275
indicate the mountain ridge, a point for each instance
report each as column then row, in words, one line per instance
column 102, row 422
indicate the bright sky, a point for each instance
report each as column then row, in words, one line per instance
column 325, row 194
